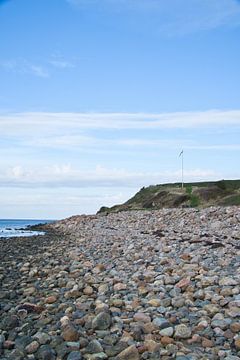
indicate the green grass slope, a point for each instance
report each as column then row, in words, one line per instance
column 197, row 194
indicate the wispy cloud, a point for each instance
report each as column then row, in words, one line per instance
column 61, row 64
column 58, row 123
column 38, row 70
column 98, row 137
column 34, row 199
column 58, row 203
column 59, row 61
column 228, row 147
column 201, row 15
column 101, row 144
column 67, row 176
column 42, row 69
column 22, row 66
column 175, row 17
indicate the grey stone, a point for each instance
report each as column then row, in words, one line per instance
column 74, row 355
column 182, row 332
column 161, row 322
column 45, row 352
column 166, row 332
column 42, row 338
column 16, row 354
column 98, row 356
column 94, row 347
column 22, row 342
column 102, row 321
column 222, row 324
column 10, row 322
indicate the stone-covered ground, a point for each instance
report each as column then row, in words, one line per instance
column 134, row 285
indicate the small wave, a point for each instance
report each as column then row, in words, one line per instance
column 4, row 233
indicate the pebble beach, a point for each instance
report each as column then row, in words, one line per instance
column 162, row 284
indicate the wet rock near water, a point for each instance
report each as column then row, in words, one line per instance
column 161, row 284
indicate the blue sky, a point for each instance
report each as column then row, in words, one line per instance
column 98, row 97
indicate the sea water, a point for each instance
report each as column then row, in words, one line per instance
column 18, row 227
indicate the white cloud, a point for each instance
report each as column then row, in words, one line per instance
column 8, row 64
column 57, row 203
column 33, row 198
column 61, row 64
column 228, row 147
column 38, row 70
column 48, row 151
column 59, row 123
column 66, row 176
column 65, row 141
column 99, row 144
column 54, row 155
column 43, row 70
column 199, row 15
column 59, row 61
column 23, row 66
column 175, row 17
column 15, row 172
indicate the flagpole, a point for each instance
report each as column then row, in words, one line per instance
column 181, row 154
column 182, row 169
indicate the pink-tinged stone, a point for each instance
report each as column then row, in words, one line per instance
column 51, row 299
column 196, row 338
column 166, row 340
column 154, row 302
column 8, row 344
column 141, row 317
column 183, row 283
column 130, row 353
column 206, row 343
column 87, row 264
column 119, row 287
column 235, row 327
column 237, row 343
column 152, row 345
column 32, row 347
column 88, row 290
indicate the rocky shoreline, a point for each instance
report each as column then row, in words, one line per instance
column 161, row 284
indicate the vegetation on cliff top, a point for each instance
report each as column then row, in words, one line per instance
column 196, row 194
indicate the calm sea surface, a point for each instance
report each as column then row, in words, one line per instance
column 16, row 227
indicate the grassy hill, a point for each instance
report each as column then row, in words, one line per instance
column 197, row 194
